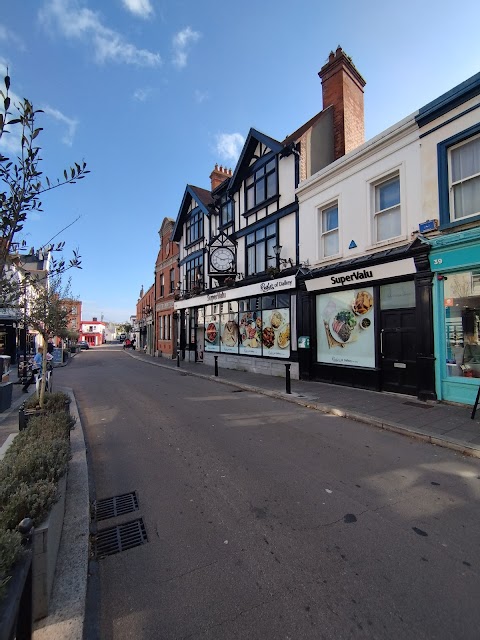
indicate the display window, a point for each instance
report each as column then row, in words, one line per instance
column 257, row 326
column 212, row 328
column 462, row 324
column 346, row 328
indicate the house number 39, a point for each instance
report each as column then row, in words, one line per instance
column 437, row 261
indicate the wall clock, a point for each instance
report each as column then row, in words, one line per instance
column 222, row 259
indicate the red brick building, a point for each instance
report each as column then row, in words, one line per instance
column 145, row 324
column 74, row 308
column 166, row 282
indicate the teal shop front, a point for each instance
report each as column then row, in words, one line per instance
column 455, row 260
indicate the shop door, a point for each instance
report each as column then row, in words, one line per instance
column 398, row 346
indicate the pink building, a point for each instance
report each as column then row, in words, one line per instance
column 92, row 331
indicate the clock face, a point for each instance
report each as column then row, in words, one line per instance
column 222, row 259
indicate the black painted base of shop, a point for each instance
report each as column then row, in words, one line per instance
column 348, row 377
column 5, row 396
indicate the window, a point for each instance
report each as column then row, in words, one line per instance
column 329, row 231
column 73, row 311
column 226, row 211
column 464, row 179
column 387, row 221
column 261, row 185
column 162, row 285
column 193, row 272
column 260, row 253
column 172, row 280
column 195, row 227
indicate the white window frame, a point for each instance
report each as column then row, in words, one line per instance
column 451, row 184
column 395, row 172
column 321, row 234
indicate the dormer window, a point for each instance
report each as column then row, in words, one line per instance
column 195, row 227
column 261, row 185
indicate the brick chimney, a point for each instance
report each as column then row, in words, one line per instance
column 219, row 175
column 342, row 88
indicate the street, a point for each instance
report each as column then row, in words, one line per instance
column 268, row 520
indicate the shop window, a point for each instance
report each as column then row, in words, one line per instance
column 462, row 324
column 257, row 326
column 261, row 185
column 387, row 221
column 260, row 253
column 328, row 224
column 459, row 177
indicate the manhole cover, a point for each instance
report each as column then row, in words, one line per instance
column 116, row 506
column 124, row 536
column 417, row 404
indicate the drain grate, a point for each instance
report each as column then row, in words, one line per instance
column 120, row 538
column 417, row 404
column 116, row 506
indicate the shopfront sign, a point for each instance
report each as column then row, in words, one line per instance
column 268, row 286
column 361, row 277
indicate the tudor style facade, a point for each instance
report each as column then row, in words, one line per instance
column 240, row 241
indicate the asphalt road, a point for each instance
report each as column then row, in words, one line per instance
column 266, row 520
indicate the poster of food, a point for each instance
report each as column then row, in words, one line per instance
column 276, row 333
column 212, row 337
column 250, row 333
column 345, row 328
column 229, row 335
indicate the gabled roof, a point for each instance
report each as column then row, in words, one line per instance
column 204, row 200
column 251, row 143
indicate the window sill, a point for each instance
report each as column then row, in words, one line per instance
column 192, row 244
column 386, row 243
column 459, row 223
column 330, row 259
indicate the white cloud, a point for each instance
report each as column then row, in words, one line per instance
column 142, row 94
column 201, row 96
column 9, row 37
column 229, row 145
column 83, row 24
column 181, row 45
column 141, row 8
column 69, row 122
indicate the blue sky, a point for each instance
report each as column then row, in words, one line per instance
column 152, row 93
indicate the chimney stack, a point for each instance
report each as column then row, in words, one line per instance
column 219, row 175
column 342, row 88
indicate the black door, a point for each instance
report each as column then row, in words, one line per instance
column 398, row 346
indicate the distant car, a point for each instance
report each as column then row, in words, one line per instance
column 122, row 337
column 83, row 344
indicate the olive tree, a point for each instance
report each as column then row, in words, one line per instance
column 22, row 184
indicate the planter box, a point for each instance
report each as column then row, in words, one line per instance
column 5, row 395
column 46, row 542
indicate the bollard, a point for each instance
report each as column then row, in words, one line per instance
column 216, row 366
column 288, row 387
column 476, row 404
column 178, row 359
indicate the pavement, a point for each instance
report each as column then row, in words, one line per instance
column 438, row 423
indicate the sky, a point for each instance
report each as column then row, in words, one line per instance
column 151, row 94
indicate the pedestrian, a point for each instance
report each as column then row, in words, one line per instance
column 36, row 368
column 50, row 346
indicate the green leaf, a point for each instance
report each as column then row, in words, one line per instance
column 6, row 103
column 65, row 174
column 7, row 82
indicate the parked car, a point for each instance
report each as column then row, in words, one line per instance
column 122, row 337
column 83, row 344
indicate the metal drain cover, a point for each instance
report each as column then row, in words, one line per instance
column 116, row 506
column 120, row 538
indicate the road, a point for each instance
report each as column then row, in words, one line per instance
column 266, row 520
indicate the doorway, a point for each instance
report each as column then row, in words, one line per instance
column 398, row 350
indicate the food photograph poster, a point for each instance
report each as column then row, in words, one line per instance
column 345, row 328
